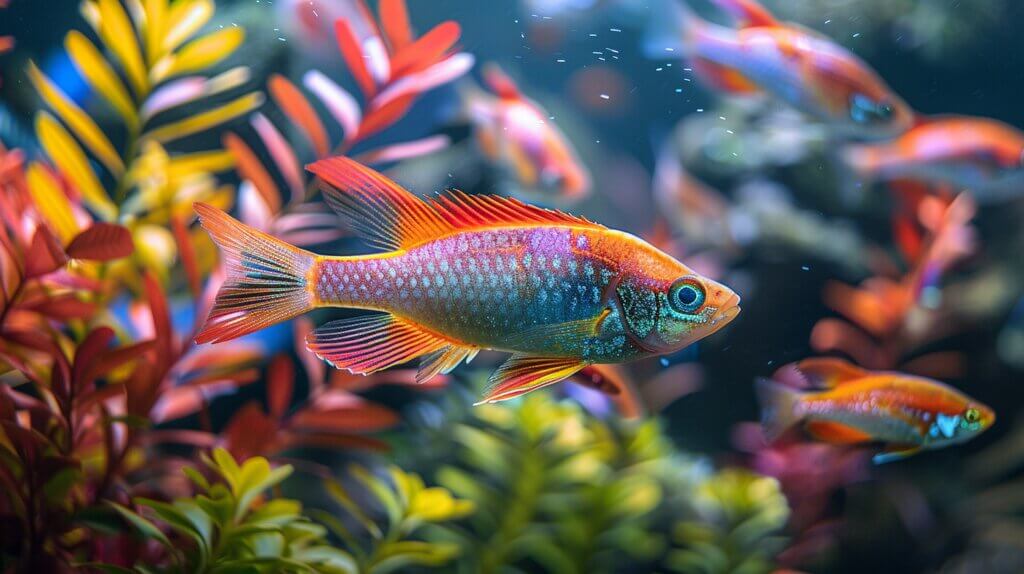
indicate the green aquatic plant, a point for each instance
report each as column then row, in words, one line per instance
column 231, row 526
column 558, row 490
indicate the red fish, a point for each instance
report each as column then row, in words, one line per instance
column 981, row 155
column 798, row 66
column 852, row 406
column 515, row 131
column 463, row 273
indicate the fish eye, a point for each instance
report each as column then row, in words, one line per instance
column 686, row 296
column 864, row 110
column 972, row 415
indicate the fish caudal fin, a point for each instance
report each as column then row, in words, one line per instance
column 779, row 407
column 267, row 279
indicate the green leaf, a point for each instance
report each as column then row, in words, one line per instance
column 380, row 489
column 147, row 528
column 397, row 555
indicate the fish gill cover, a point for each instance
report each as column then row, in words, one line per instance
column 262, row 263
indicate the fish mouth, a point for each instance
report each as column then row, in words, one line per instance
column 725, row 314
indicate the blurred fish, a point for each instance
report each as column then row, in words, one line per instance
column 793, row 64
column 848, row 405
column 981, row 155
column 465, row 273
column 310, row 24
column 518, row 134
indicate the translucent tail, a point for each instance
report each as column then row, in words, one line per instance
column 266, row 279
column 779, row 407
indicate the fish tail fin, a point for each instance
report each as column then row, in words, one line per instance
column 267, row 279
column 779, row 407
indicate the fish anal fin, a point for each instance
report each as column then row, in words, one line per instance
column 370, row 343
column 521, row 374
column 836, row 433
column 830, row 372
column 500, row 83
column 443, row 360
column 896, row 452
column 723, row 77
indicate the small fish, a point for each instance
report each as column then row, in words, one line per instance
column 463, row 273
column 849, row 405
column 517, row 133
column 798, row 66
column 981, row 155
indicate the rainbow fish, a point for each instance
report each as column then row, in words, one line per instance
column 849, row 405
column 795, row 65
column 461, row 273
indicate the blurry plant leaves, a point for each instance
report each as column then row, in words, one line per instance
column 205, row 120
column 92, row 65
column 101, row 242
column 72, row 162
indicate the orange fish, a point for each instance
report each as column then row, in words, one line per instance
column 463, row 273
column 798, row 66
column 518, row 133
column 981, row 155
column 849, row 405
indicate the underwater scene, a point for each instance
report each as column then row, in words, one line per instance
column 511, row 286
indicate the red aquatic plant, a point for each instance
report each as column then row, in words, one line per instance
column 891, row 315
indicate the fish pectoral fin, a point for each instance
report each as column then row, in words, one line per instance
column 370, row 343
column 540, row 336
column 896, row 452
column 443, row 360
column 836, row 433
column 521, row 374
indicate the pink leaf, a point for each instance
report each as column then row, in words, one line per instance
column 341, row 104
column 405, row 150
column 282, row 152
column 439, row 74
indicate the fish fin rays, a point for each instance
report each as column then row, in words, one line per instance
column 828, row 372
column 836, row 433
column 369, row 343
column 896, row 452
column 779, row 407
column 443, row 360
column 392, row 218
column 521, row 374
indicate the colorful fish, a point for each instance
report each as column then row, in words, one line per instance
column 517, row 133
column 463, row 273
column 849, row 405
column 798, row 66
column 981, row 155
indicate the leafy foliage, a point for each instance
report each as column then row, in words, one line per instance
column 563, row 491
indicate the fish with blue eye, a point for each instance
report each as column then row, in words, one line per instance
column 845, row 404
column 792, row 64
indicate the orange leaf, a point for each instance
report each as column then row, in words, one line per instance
column 101, row 242
column 383, row 117
column 187, row 253
column 300, row 112
column 280, row 381
column 348, row 42
column 395, row 19
column 251, row 168
column 427, row 50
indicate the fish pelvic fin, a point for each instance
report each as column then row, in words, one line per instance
column 780, row 407
column 392, row 218
column 268, row 280
column 369, row 343
column 521, row 374
column 443, row 361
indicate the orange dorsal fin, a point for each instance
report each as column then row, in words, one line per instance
column 836, row 433
column 390, row 217
column 747, row 13
column 827, row 372
column 500, row 83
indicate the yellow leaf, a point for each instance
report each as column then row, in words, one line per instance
column 101, row 77
column 204, row 52
column 208, row 119
column 79, row 121
column 71, row 161
column 155, row 247
column 156, row 27
column 90, row 12
column 210, row 161
column 51, row 202
column 119, row 35
column 186, row 17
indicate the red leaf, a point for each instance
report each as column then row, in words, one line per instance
column 280, row 382
column 292, row 439
column 44, row 254
column 251, row 168
column 394, row 17
column 427, row 50
column 364, row 417
column 300, row 112
column 161, row 321
column 187, row 252
column 250, row 432
column 102, row 242
column 348, row 42
column 62, row 307
column 89, row 351
column 113, row 359
column 383, row 117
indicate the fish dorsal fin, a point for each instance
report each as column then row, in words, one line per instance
column 827, row 372
column 500, row 83
column 392, row 218
column 747, row 13
column 381, row 211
